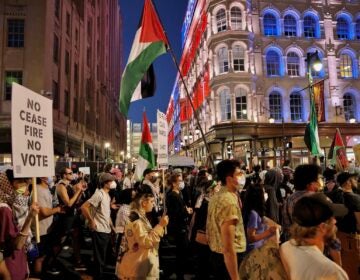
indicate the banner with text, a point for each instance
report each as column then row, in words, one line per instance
column 162, row 133
column 31, row 133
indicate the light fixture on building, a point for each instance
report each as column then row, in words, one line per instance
column 107, row 145
column 244, row 111
column 271, row 120
column 190, row 136
column 185, row 137
column 352, row 120
column 197, row 130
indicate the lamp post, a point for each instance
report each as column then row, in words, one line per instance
column 107, row 146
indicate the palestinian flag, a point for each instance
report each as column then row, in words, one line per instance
column 146, row 157
column 311, row 137
column 138, row 80
column 337, row 153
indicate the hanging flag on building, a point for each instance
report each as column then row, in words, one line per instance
column 337, row 152
column 146, row 157
column 311, row 137
column 138, row 80
column 318, row 90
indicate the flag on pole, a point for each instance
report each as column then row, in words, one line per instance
column 146, row 157
column 318, row 90
column 138, row 80
column 311, row 137
column 337, row 152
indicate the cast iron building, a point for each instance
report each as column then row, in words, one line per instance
column 70, row 51
column 244, row 63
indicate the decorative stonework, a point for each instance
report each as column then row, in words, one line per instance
column 15, row 10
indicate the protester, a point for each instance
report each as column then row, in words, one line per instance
column 128, row 182
column 332, row 189
column 273, row 180
column 100, row 221
column 141, row 260
column 224, row 225
column 314, row 224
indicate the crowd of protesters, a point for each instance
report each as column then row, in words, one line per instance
column 228, row 223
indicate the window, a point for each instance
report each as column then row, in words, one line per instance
column 223, row 60
column 67, row 23
column 357, row 29
column 296, row 107
column 57, row 8
column 238, row 58
column 310, row 27
column 272, row 63
column 235, row 17
column 56, row 49
column 346, row 66
column 10, row 77
column 275, row 105
column 293, row 64
column 289, row 26
column 342, row 29
column 221, row 20
column 15, row 33
column 55, row 92
column 67, row 62
column 270, row 25
column 225, row 103
column 67, row 103
column 240, row 103
column 349, row 106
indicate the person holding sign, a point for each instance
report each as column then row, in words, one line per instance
column 12, row 239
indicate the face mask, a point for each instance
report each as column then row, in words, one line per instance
column 113, row 185
column 266, row 196
column 21, row 190
column 181, row 186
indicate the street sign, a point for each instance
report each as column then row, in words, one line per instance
column 31, row 133
column 162, row 139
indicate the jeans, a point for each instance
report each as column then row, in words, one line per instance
column 100, row 242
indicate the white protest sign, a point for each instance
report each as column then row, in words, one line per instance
column 31, row 133
column 162, row 139
column 85, row 170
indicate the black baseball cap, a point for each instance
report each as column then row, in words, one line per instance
column 344, row 176
column 312, row 210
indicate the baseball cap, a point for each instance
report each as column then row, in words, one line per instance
column 105, row 177
column 312, row 210
column 344, row 176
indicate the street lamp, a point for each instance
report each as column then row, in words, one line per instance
column 122, row 156
column 352, row 120
column 107, row 146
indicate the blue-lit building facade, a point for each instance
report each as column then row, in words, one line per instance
column 244, row 64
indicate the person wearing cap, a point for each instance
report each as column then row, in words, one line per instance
column 314, row 224
column 97, row 212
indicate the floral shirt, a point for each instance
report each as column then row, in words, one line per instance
column 224, row 206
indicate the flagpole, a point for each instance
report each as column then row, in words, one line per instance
column 191, row 103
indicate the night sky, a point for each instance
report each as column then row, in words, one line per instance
column 171, row 13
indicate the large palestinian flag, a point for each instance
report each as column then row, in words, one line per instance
column 138, row 80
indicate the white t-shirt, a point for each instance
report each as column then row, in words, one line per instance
column 45, row 200
column 308, row 262
column 100, row 200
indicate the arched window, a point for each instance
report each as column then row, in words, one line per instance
column 270, row 25
column 342, row 28
column 310, row 26
column 238, row 58
column 296, row 107
column 223, row 60
column 346, row 66
column 240, row 101
column 349, row 106
column 221, row 20
column 293, row 64
column 235, row 18
column 225, row 104
column 290, row 26
column 275, row 105
column 357, row 29
column 272, row 63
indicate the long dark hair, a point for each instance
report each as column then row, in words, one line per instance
column 254, row 200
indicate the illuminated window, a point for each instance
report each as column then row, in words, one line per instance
column 221, row 20
column 342, row 29
column 235, row 16
column 275, row 105
column 296, row 107
column 346, row 67
column 272, row 63
column 223, row 60
column 238, row 58
column 310, row 27
column 240, row 103
column 293, row 64
column 225, row 103
column 270, row 25
column 357, row 29
column 349, row 106
column 290, row 26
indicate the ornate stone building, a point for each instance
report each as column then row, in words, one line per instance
column 244, row 65
column 70, row 51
